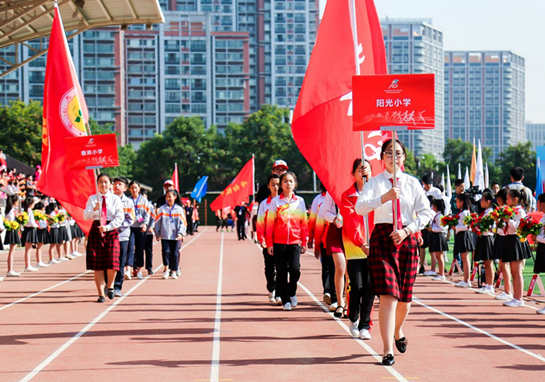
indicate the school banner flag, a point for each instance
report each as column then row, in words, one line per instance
column 322, row 119
column 64, row 116
column 200, row 189
column 238, row 191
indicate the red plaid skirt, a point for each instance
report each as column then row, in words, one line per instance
column 102, row 252
column 392, row 271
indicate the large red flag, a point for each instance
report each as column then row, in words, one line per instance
column 64, row 115
column 238, row 191
column 322, row 120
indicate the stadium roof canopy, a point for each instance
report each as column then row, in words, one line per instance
column 24, row 20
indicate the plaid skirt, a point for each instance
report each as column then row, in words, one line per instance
column 102, row 252
column 392, row 270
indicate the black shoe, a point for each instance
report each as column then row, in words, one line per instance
column 422, row 270
column 110, row 293
column 388, row 360
column 401, row 344
column 150, row 272
column 101, row 299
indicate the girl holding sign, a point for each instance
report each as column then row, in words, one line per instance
column 106, row 211
column 393, row 249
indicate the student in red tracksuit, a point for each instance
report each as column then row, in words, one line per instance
column 288, row 238
column 356, row 251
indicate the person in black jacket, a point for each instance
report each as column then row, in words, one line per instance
column 241, row 213
column 168, row 185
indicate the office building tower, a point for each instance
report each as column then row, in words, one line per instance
column 535, row 133
column 415, row 46
column 484, row 98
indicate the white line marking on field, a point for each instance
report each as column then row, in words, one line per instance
column 43, row 291
column 537, row 356
column 66, row 345
column 215, row 370
column 368, row 348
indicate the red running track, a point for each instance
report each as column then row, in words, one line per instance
column 216, row 324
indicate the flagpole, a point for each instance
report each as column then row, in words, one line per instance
column 352, row 7
column 96, row 170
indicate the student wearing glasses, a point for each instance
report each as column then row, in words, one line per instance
column 393, row 249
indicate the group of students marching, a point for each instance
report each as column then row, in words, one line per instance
column 33, row 224
column 384, row 264
column 120, row 243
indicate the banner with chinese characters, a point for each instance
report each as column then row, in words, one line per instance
column 94, row 151
column 238, row 191
column 394, row 100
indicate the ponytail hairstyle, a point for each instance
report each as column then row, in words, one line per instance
column 11, row 202
column 50, row 208
column 488, row 196
column 520, row 195
column 439, row 204
column 464, row 198
column 502, row 194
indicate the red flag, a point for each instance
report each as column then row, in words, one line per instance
column 175, row 178
column 322, row 120
column 238, row 191
column 64, row 115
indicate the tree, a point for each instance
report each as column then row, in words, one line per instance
column 127, row 156
column 21, row 131
column 519, row 155
column 187, row 142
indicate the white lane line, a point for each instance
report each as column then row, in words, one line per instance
column 215, row 369
column 66, row 345
column 43, row 291
column 47, row 289
column 364, row 345
column 531, row 354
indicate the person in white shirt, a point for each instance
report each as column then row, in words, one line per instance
column 30, row 235
column 463, row 241
column 106, row 211
column 438, row 238
column 484, row 250
column 393, row 252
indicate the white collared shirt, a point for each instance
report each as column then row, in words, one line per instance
column 114, row 210
column 436, row 226
column 435, row 192
column 415, row 206
column 461, row 226
column 329, row 210
column 487, row 212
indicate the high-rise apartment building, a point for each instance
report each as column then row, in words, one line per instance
column 215, row 59
column 415, row 46
column 484, row 98
column 535, row 133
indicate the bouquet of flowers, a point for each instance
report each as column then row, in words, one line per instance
column 450, row 221
column 39, row 216
column 11, row 225
column 528, row 226
column 22, row 218
column 470, row 219
column 51, row 219
column 61, row 217
column 500, row 213
column 482, row 225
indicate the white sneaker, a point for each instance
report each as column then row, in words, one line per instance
column 287, row 306
column 483, row 290
column 139, row 275
column 333, row 307
column 78, row 254
column 174, row 275
column 463, row 284
column 365, row 335
column 54, row 261
column 541, row 311
column 490, row 290
column 165, row 275
column 71, row 256
column 1, row 279
column 127, row 276
column 31, row 269
column 514, row 303
column 179, row 272
column 271, row 297
column 278, row 300
column 504, row 296
column 430, row 273
column 62, row 259
column 327, row 298
column 439, row 278
column 354, row 329
column 42, row 265
column 12, row 274
column 293, row 300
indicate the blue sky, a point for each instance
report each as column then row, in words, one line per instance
column 487, row 25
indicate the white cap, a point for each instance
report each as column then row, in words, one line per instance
column 280, row 163
column 168, row 181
